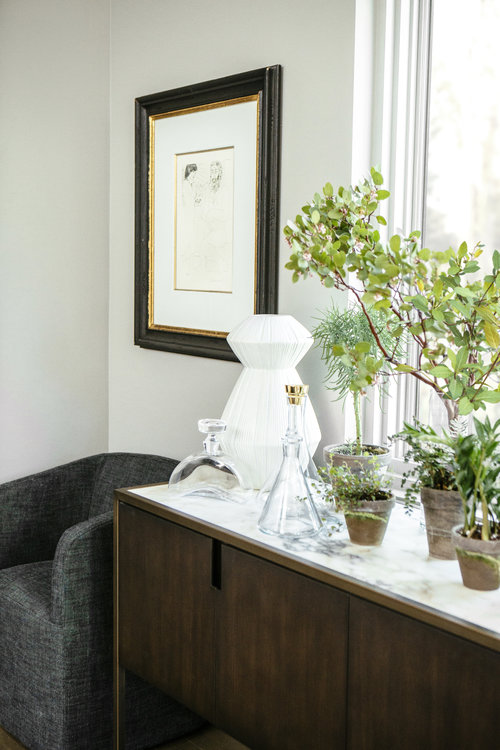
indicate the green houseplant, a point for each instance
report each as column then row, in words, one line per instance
column 474, row 462
column 366, row 500
column 432, row 477
column 433, row 297
column 353, row 364
column 477, row 538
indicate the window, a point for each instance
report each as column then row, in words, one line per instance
column 435, row 70
column 462, row 192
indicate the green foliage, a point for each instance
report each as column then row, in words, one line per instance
column 350, row 350
column 434, row 297
column 475, row 464
column 350, row 448
column 431, row 463
column 351, row 354
column 350, row 488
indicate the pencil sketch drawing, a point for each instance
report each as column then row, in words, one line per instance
column 204, row 207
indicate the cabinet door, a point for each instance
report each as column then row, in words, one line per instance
column 413, row 686
column 166, row 608
column 281, row 657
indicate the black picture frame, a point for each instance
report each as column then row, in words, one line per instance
column 265, row 85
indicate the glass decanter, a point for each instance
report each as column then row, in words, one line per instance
column 316, row 484
column 211, row 473
column 289, row 510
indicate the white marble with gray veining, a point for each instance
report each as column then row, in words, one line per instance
column 401, row 565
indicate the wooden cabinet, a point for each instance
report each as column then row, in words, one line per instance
column 285, row 655
column 247, row 644
column 166, row 608
column 413, row 686
column 281, row 657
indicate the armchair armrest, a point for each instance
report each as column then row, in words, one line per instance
column 82, row 574
column 35, row 510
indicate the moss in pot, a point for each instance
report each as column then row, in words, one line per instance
column 366, row 500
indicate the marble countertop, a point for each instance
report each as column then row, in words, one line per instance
column 401, row 565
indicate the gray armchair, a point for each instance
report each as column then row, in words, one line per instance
column 56, row 610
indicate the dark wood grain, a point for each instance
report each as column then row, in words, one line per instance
column 423, row 613
column 413, row 687
column 166, row 609
column 281, row 657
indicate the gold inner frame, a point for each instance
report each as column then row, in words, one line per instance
column 151, row 196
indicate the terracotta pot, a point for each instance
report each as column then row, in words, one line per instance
column 443, row 510
column 367, row 522
column 479, row 561
column 333, row 456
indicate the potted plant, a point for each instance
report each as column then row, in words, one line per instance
column 435, row 298
column 353, row 364
column 366, row 500
column 477, row 537
column 449, row 314
column 432, row 477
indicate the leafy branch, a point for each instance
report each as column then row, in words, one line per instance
column 433, row 298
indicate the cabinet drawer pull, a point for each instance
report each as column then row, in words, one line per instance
column 216, row 564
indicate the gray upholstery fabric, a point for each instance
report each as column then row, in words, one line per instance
column 56, row 614
column 128, row 471
column 51, row 501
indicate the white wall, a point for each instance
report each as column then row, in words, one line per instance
column 156, row 398
column 53, row 232
column 59, row 85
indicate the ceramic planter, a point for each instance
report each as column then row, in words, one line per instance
column 442, row 510
column 367, row 522
column 479, row 561
column 333, row 456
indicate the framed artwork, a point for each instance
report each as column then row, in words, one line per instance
column 207, row 211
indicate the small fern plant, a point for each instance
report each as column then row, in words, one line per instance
column 352, row 358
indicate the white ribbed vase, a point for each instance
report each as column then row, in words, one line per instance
column 269, row 347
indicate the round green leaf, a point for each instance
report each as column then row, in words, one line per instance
column 464, row 406
column 441, row 371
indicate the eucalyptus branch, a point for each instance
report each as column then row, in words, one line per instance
column 495, row 361
column 341, row 225
column 394, row 350
column 372, row 327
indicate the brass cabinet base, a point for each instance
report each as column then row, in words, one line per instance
column 8, row 742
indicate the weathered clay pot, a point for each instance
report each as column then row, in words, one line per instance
column 443, row 510
column 333, row 456
column 479, row 561
column 367, row 522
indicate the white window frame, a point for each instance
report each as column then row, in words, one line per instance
column 392, row 87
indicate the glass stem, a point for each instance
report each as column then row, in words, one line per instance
column 212, row 445
column 294, row 414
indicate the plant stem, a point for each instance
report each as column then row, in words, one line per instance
column 451, row 408
column 357, row 419
column 485, row 526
